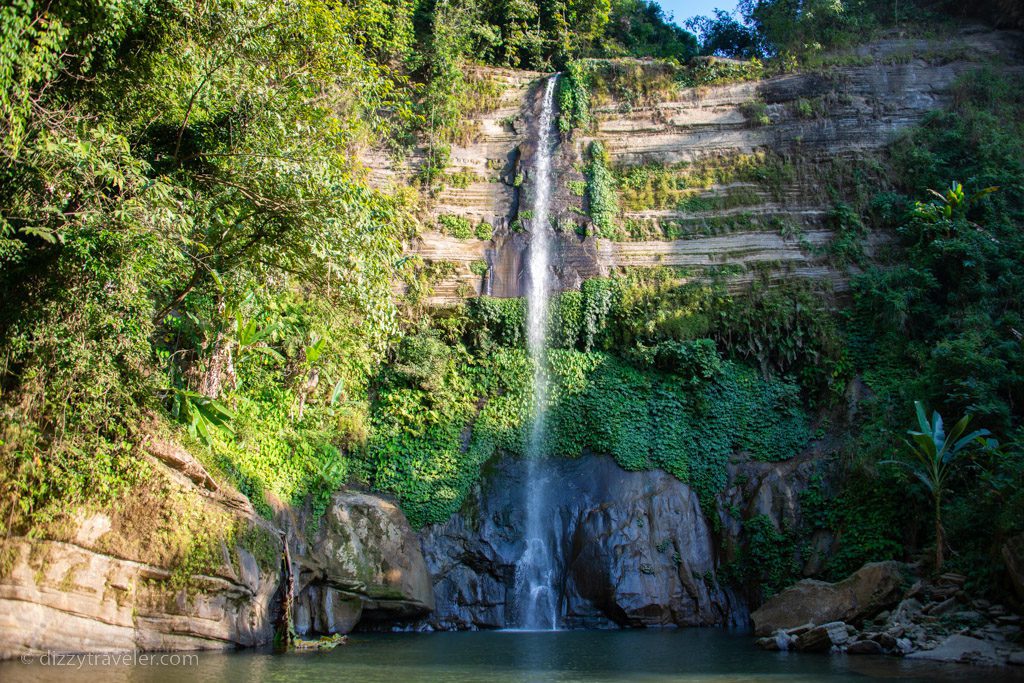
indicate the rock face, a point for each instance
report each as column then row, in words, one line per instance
column 364, row 562
column 104, row 587
column 633, row 548
column 773, row 489
column 62, row 596
column 836, row 113
column 863, row 594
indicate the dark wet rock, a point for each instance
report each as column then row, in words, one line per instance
column 863, row 594
column 633, row 549
column 772, row 643
column 783, row 640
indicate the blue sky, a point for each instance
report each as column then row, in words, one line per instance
column 684, row 9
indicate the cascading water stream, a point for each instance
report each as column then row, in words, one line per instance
column 536, row 599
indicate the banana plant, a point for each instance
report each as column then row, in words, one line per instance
column 205, row 418
column 934, row 454
column 315, row 349
column 248, row 337
column 949, row 205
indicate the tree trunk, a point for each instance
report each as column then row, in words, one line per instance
column 284, row 636
column 940, row 535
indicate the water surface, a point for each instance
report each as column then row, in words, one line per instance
column 497, row 657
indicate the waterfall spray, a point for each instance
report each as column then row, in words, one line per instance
column 536, row 599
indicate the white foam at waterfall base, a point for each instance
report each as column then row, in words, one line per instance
column 536, row 601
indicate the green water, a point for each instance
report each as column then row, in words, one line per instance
column 493, row 657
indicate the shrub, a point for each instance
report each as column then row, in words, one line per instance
column 456, row 226
column 484, row 231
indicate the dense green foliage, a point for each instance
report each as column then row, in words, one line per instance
column 783, row 25
column 543, row 34
column 940, row 322
column 601, row 197
column 456, row 226
column 935, row 452
column 804, row 27
column 183, row 229
column 766, row 561
column 447, row 404
column 636, row 372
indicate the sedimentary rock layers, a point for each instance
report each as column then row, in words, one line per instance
column 841, row 112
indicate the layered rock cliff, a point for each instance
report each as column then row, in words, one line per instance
column 185, row 564
column 814, row 127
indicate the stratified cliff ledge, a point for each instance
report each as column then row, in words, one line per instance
column 848, row 109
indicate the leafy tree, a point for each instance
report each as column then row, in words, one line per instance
column 641, row 28
column 723, row 35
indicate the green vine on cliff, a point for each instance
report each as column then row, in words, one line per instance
column 574, row 97
column 444, row 410
column 601, row 197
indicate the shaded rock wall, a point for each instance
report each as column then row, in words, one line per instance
column 850, row 109
column 633, row 549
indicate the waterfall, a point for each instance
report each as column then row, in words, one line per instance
column 535, row 595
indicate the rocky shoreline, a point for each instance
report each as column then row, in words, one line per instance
column 871, row 613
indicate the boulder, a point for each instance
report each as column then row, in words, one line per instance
column 780, row 641
column 823, row 638
column 864, row 593
column 885, row 640
column 364, row 561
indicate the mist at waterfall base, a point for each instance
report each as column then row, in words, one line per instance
column 536, row 601
column 653, row 656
